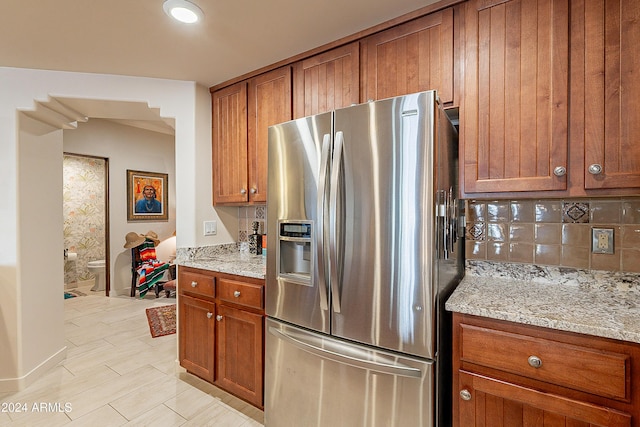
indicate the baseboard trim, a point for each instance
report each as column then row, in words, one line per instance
column 18, row 384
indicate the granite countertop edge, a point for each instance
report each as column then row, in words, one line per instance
column 598, row 303
column 226, row 258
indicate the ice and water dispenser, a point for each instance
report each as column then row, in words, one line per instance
column 295, row 253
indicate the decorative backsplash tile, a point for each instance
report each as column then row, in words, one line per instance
column 475, row 231
column 554, row 232
column 246, row 216
column 575, row 212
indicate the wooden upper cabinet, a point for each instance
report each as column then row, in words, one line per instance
column 514, row 115
column 611, row 94
column 230, row 144
column 409, row 58
column 327, row 81
column 269, row 104
column 242, row 114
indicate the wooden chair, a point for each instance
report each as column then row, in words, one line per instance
column 169, row 286
column 136, row 262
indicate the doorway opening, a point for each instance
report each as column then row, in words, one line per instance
column 86, row 224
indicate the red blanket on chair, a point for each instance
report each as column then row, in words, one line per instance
column 151, row 270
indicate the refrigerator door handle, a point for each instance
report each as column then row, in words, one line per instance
column 322, row 186
column 333, row 212
column 335, row 352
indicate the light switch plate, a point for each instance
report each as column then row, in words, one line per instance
column 210, row 228
column 602, row 240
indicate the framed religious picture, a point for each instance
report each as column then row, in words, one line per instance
column 147, row 196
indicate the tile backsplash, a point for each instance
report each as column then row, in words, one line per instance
column 554, row 232
column 246, row 216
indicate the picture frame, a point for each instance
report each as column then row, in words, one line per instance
column 147, row 196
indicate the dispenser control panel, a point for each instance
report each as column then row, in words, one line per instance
column 300, row 230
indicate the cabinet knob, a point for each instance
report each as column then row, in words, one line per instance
column 535, row 361
column 194, row 284
column 560, row 171
column 595, row 169
column 209, row 314
column 219, row 317
column 236, row 294
column 253, row 191
column 243, row 191
column 465, row 394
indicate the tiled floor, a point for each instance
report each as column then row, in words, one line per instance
column 115, row 374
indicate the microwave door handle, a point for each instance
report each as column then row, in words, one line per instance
column 322, row 188
column 333, row 212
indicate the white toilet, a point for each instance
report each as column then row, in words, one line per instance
column 97, row 269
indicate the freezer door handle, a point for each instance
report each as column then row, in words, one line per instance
column 333, row 225
column 345, row 354
column 324, row 164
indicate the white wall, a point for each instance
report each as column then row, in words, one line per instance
column 31, row 327
column 40, row 184
column 126, row 147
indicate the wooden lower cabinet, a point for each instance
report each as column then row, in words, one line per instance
column 510, row 375
column 485, row 401
column 197, row 336
column 221, row 331
column 239, row 344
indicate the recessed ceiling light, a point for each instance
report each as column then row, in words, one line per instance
column 183, row 11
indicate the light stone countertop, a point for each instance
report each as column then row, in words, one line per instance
column 600, row 303
column 224, row 259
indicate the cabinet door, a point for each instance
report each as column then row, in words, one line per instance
column 269, row 104
column 612, row 94
column 327, row 81
column 197, row 333
column 230, row 145
column 485, row 401
column 239, row 363
column 514, row 116
column 409, row 58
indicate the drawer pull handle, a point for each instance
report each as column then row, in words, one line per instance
column 465, row 394
column 535, row 361
column 209, row 315
column 194, row 284
column 236, row 294
column 219, row 317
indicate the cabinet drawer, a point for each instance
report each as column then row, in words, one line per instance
column 196, row 283
column 599, row 372
column 247, row 294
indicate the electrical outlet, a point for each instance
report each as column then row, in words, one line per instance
column 602, row 240
column 210, row 228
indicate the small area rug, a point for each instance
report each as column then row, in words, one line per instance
column 162, row 320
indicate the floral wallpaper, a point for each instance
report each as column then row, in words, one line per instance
column 84, row 214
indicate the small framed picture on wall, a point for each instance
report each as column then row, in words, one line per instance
column 147, row 196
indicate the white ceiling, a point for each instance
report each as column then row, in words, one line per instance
column 136, row 38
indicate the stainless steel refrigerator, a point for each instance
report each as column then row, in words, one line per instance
column 363, row 250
